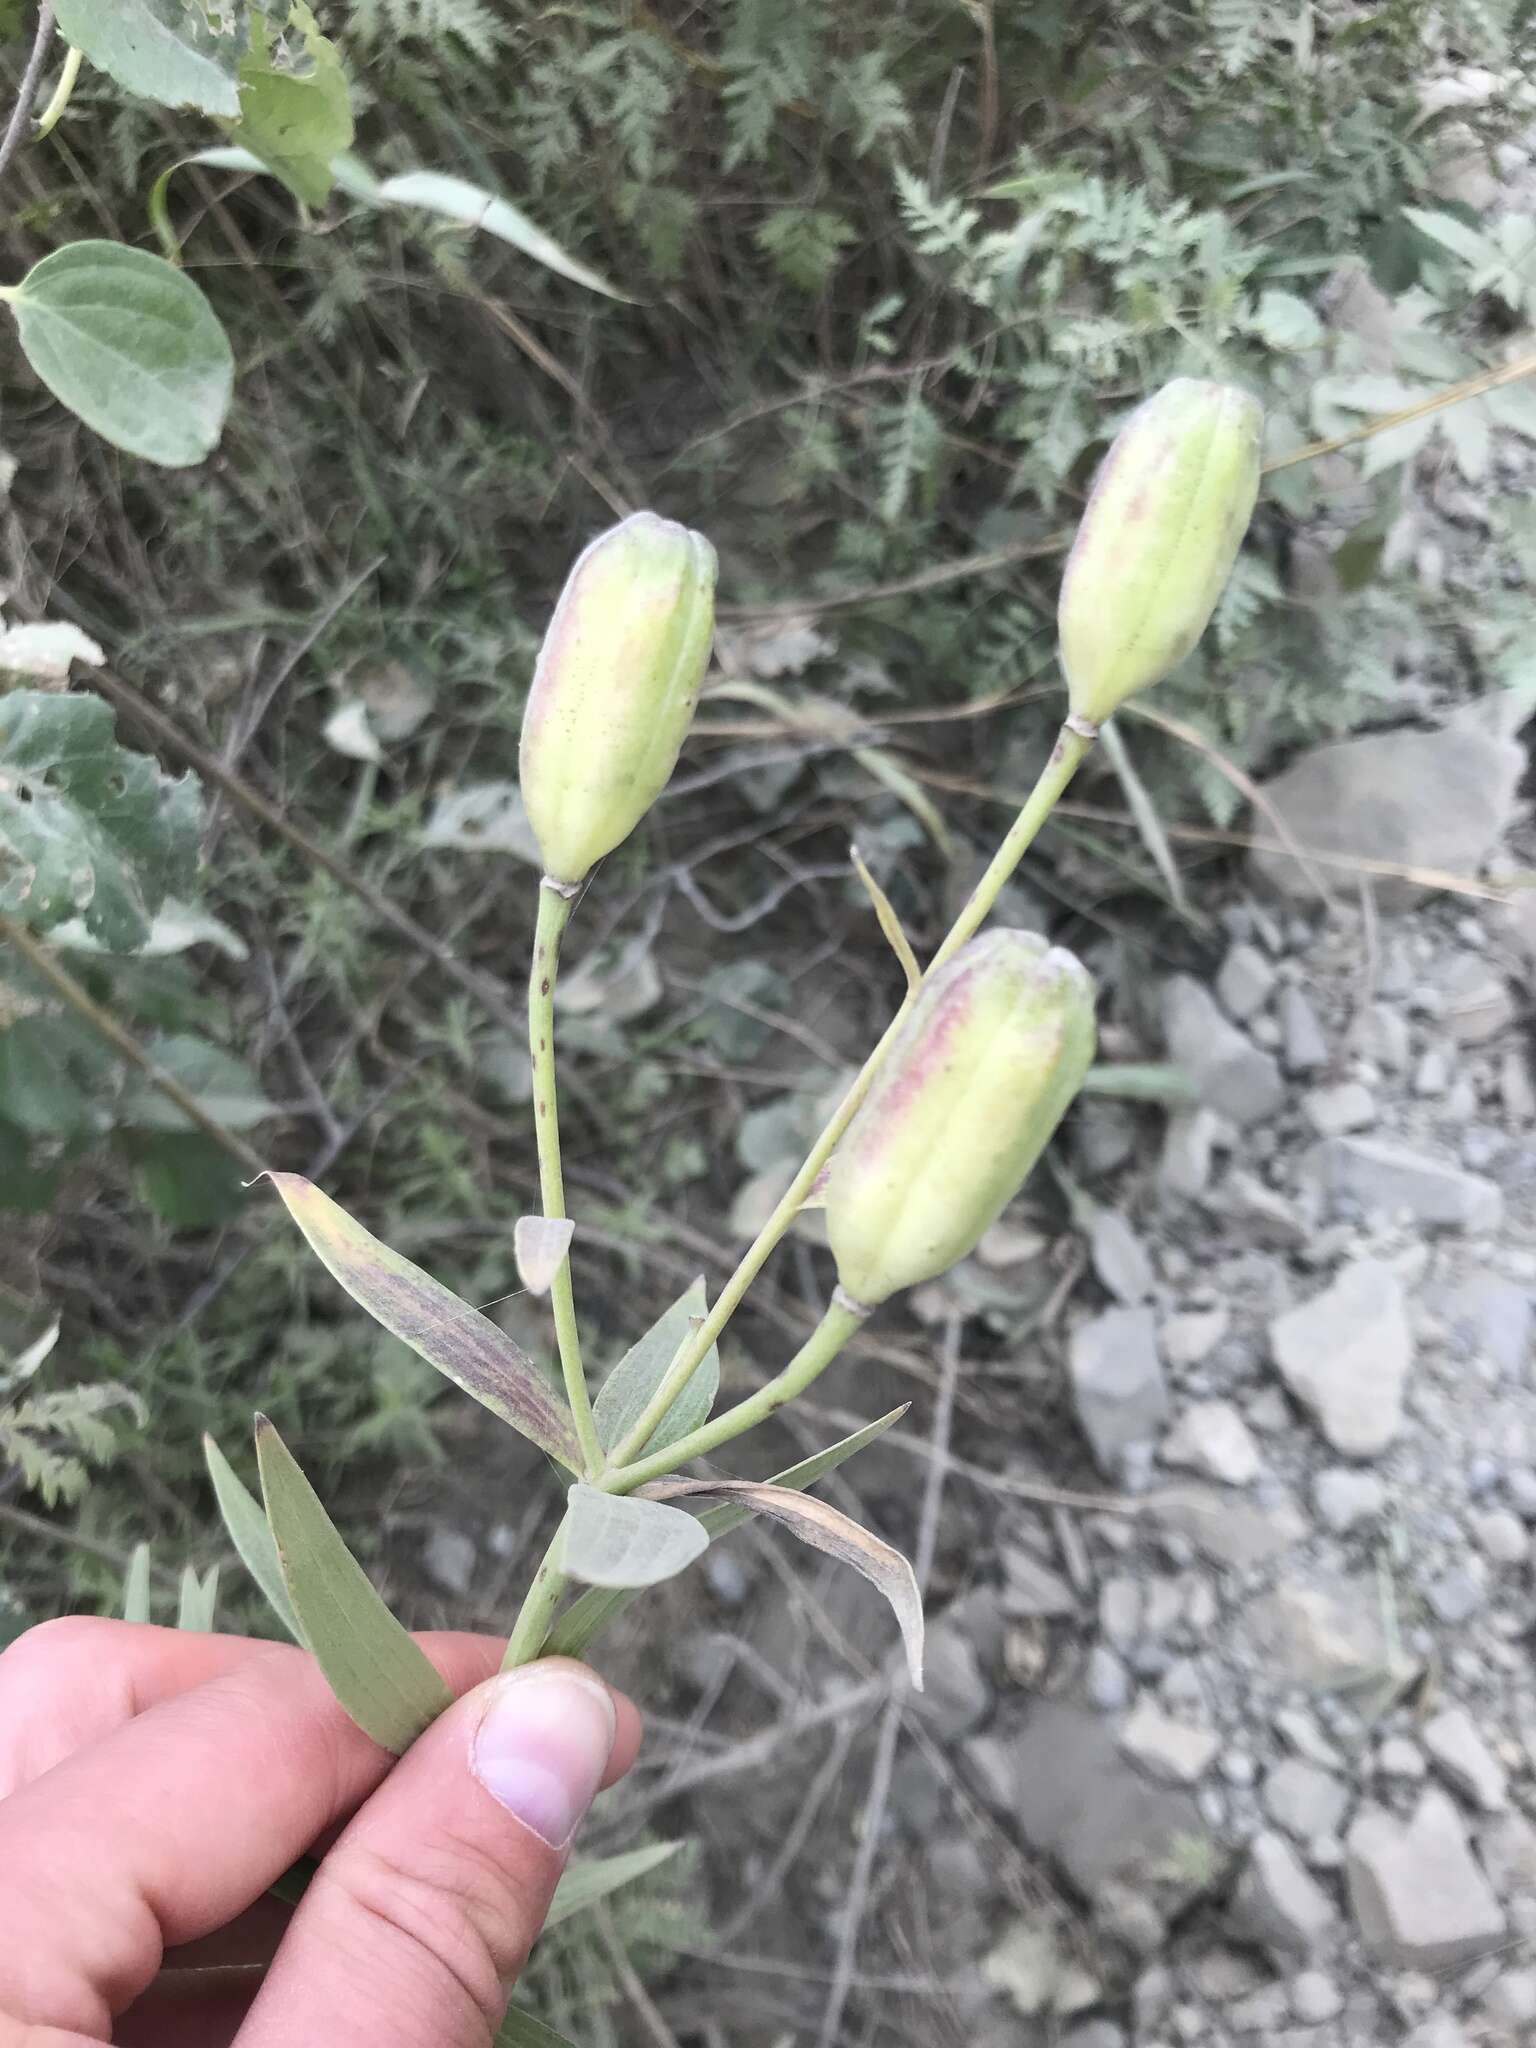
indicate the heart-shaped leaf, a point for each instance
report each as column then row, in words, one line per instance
column 593, row 1879
column 824, row 1528
column 585, row 1619
column 251, row 1533
column 131, row 346
column 624, row 1395
column 461, row 1343
column 165, row 50
column 615, row 1539
column 376, row 1671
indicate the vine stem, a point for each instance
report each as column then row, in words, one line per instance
column 31, row 78
column 61, row 96
column 554, row 915
column 63, row 983
column 1072, row 743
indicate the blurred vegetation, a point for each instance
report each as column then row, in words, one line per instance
column 891, row 277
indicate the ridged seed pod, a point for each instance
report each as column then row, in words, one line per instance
column 615, row 687
column 1162, row 527
column 995, row 1048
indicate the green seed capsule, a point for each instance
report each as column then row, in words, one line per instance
column 615, row 688
column 995, row 1048
column 1162, row 528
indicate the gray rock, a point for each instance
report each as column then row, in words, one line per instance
column 1344, row 1498
column 1234, row 1077
column 1268, row 1218
column 1303, row 1048
column 1382, row 1035
column 1315, row 1998
column 1192, row 1336
column 1457, row 1594
column 1400, row 1758
column 1323, row 1632
column 1245, row 983
column 1346, row 1356
column 1464, row 1759
column 1507, row 1846
column 1095, row 2034
column 1332, row 1111
column 1107, row 1828
column 1106, row 1681
column 1511, row 2000
column 1118, row 1388
column 1188, row 1145
column 1381, row 1176
column 1237, row 1535
column 449, row 1559
column 956, row 1694
column 1432, row 1076
column 1103, row 1135
column 1212, row 1438
column 1492, row 1315
column 1517, row 1086
column 1261, row 2012
column 1304, row 1800
column 1031, row 1588
column 1478, row 1004
column 1501, row 1536
column 1279, row 1905
column 1418, row 1896
column 1119, row 1257
column 1300, row 1732
column 1172, row 1751
column 1121, row 1607
column 1416, row 799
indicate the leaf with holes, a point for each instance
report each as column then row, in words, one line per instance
column 378, row 1674
column 183, row 53
column 617, row 1540
column 87, row 828
column 824, row 1528
column 463, row 1345
column 295, row 111
column 623, row 1396
column 586, row 1618
column 131, row 346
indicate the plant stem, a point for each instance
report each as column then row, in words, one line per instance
column 809, row 1362
column 1071, row 745
column 63, row 92
column 537, row 1613
column 554, row 915
column 58, row 977
column 31, row 78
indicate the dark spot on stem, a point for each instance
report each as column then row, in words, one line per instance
column 544, row 986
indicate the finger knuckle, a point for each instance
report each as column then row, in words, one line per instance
column 451, row 1920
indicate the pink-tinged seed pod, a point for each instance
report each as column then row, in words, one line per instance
column 995, row 1048
column 1162, row 528
column 615, row 687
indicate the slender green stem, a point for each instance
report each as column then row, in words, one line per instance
column 537, row 1613
column 53, row 113
column 554, row 915
column 812, row 1359
column 1071, row 745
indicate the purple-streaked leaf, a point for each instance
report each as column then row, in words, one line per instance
column 465, row 1346
column 824, row 1528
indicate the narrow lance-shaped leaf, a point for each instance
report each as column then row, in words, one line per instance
column 198, row 1600
column 131, row 346
column 251, row 1534
column 585, row 1619
column 626, row 1392
column 376, row 1671
column 136, row 1585
column 520, row 2029
column 614, row 1539
column 461, row 1343
column 824, row 1528
column 456, row 199
column 585, row 1883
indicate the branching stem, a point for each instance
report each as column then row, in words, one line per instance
column 26, row 94
column 1071, row 745
column 554, row 916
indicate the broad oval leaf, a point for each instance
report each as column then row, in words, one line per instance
column 585, row 1619
column 615, row 1539
column 461, row 1343
column 540, row 1245
column 457, row 199
column 162, row 50
column 251, row 1533
column 131, row 346
column 379, row 1675
column 592, row 1879
column 824, row 1528
column 625, row 1393
column 224, row 1085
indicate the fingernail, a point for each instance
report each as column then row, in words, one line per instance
column 542, row 1746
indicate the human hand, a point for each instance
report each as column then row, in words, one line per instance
column 154, row 1784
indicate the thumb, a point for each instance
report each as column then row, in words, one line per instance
column 420, row 1917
